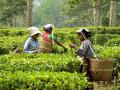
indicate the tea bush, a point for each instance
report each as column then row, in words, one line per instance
column 3, row 50
column 107, row 52
column 13, row 32
column 113, row 42
column 105, row 30
column 10, row 43
column 28, row 71
column 39, row 62
column 94, row 30
column 42, row 81
column 102, row 39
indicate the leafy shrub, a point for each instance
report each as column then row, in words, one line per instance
column 102, row 38
column 73, row 38
column 107, row 52
column 61, row 37
column 9, row 43
column 42, row 81
column 4, row 32
column 13, row 32
column 24, row 62
column 113, row 42
column 105, row 30
column 98, row 49
column 18, row 33
column 110, row 52
column 3, row 49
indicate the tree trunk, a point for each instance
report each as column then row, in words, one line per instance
column 29, row 13
column 14, row 21
column 24, row 23
column 97, row 11
column 112, row 18
column 94, row 15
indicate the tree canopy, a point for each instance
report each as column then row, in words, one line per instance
column 10, row 10
column 61, row 13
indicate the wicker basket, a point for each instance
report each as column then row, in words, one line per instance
column 101, row 70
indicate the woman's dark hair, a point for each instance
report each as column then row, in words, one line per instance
column 48, row 29
column 86, row 33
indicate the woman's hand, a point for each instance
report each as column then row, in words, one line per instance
column 72, row 45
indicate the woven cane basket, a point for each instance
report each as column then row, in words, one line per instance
column 101, row 70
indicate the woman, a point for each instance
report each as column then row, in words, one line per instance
column 47, row 39
column 31, row 45
column 85, row 50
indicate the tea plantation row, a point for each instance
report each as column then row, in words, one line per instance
column 56, row 71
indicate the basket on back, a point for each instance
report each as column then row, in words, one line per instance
column 101, row 70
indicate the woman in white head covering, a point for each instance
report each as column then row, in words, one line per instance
column 85, row 50
column 47, row 39
column 31, row 45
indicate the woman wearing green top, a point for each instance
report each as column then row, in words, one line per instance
column 47, row 39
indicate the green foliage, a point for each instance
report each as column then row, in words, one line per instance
column 107, row 52
column 42, row 81
column 102, row 39
column 4, row 32
column 13, row 32
column 50, row 71
column 83, row 12
column 10, row 10
column 109, row 30
column 3, row 50
column 28, row 71
column 73, row 39
column 26, row 63
column 104, row 30
column 12, row 37
column 113, row 42
column 49, row 11
column 61, row 37
column 11, row 42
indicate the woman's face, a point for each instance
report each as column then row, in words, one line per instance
column 50, row 31
column 81, row 37
column 35, row 36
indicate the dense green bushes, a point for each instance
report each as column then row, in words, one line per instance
column 40, row 62
column 113, row 42
column 94, row 30
column 105, row 30
column 41, row 81
column 28, row 71
column 10, row 43
column 12, row 37
column 107, row 52
column 100, row 35
column 3, row 50
column 66, row 35
column 102, row 39
column 13, row 32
